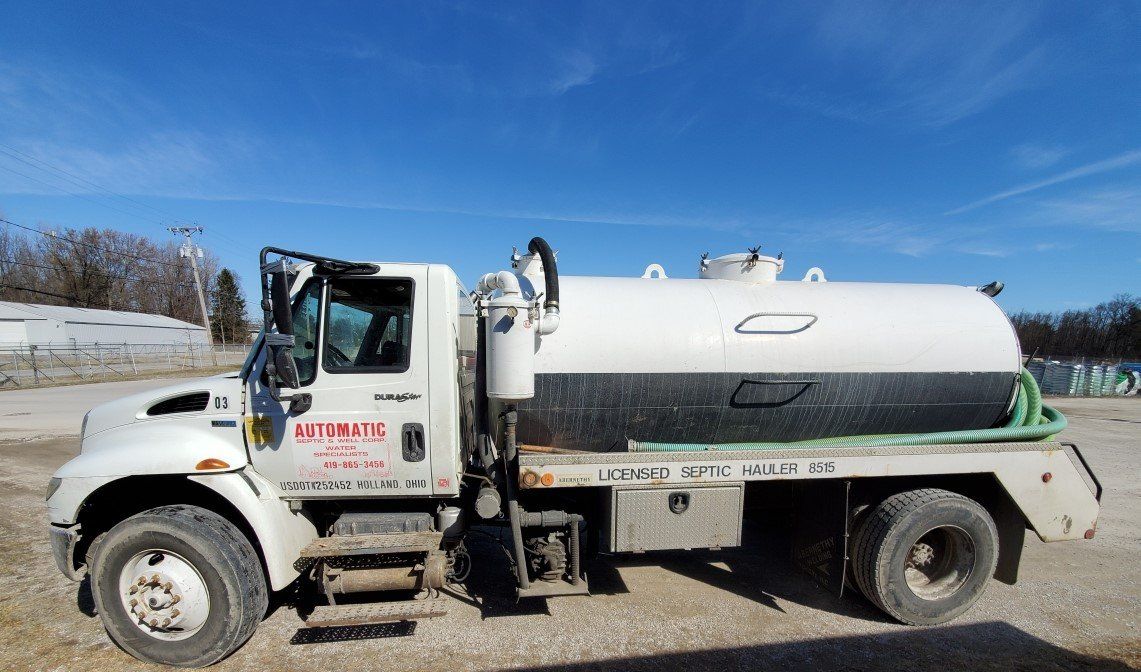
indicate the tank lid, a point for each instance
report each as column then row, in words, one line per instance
column 743, row 267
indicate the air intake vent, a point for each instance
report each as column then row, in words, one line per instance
column 187, row 403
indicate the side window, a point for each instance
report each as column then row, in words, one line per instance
column 305, row 319
column 368, row 325
column 465, row 332
column 466, row 308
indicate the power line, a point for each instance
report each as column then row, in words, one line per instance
column 28, row 159
column 72, row 193
column 108, row 275
column 38, row 291
column 9, row 151
column 90, row 245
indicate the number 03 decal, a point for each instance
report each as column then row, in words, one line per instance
column 221, row 402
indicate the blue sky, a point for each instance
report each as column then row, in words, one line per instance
column 915, row 142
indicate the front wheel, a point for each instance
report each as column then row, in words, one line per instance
column 925, row 556
column 178, row 585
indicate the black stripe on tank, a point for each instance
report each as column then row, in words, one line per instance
column 601, row 411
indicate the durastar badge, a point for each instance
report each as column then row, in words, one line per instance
column 399, row 397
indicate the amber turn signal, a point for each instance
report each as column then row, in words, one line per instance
column 212, row 463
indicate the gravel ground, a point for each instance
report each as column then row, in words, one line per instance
column 1075, row 607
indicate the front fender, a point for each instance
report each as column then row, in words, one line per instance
column 280, row 532
column 150, row 448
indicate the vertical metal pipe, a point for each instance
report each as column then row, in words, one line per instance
column 510, row 418
column 517, row 537
column 576, row 574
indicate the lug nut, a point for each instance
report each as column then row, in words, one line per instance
column 155, row 579
column 167, row 586
column 165, row 622
column 134, row 603
column 142, row 580
column 175, row 600
column 143, row 615
column 133, row 590
column 175, row 613
column 154, row 622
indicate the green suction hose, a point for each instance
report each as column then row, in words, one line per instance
column 1031, row 420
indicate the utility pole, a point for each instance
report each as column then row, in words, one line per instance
column 194, row 253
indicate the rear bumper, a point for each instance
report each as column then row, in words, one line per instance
column 63, row 541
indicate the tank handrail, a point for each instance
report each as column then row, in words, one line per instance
column 745, row 321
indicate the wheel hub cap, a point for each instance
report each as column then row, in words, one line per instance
column 164, row 595
column 939, row 563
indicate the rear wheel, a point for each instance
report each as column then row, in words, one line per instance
column 178, row 585
column 925, row 556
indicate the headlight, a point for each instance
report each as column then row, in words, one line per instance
column 53, row 485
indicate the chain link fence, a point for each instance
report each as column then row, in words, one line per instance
column 45, row 365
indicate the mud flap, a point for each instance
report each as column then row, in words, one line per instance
column 1011, row 535
column 820, row 540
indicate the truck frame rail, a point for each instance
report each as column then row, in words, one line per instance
column 1050, row 483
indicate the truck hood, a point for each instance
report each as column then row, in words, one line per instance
column 223, row 396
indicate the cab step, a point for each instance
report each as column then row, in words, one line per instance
column 559, row 588
column 373, row 544
column 382, row 612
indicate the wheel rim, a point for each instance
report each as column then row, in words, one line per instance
column 164, row 595
column 939, row 562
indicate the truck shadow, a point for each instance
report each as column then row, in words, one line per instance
column 84, row 600
column 760, row 570
column 493, row 590
column 979, row 646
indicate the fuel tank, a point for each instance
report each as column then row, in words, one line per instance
column 737, row 355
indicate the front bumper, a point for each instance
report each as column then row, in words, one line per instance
column 64, row 540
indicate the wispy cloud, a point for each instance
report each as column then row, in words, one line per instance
column 576, row 68
column 1114, row 163
column 913, row 238
column 1036, row 157
column 1112, row 208
column 929, row 65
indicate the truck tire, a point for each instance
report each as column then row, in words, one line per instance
column 178, row 585
column 925, row 556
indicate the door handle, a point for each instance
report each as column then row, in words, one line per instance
column 412, row 442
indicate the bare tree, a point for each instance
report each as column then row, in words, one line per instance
column 1109, row 330
column 100, row 268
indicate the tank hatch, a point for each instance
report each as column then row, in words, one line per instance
column 751, row 266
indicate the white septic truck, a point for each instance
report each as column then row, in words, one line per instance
column 385, row 411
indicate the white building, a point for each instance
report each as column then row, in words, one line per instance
column 34, row 324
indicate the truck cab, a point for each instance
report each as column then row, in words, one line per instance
column 383, row 355
column 389, row 361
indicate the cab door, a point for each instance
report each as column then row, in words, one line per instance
column 361, row 347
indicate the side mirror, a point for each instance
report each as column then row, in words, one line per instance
column 286, row 367
column 279, row 295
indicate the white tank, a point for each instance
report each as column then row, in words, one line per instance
column 737, row 355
